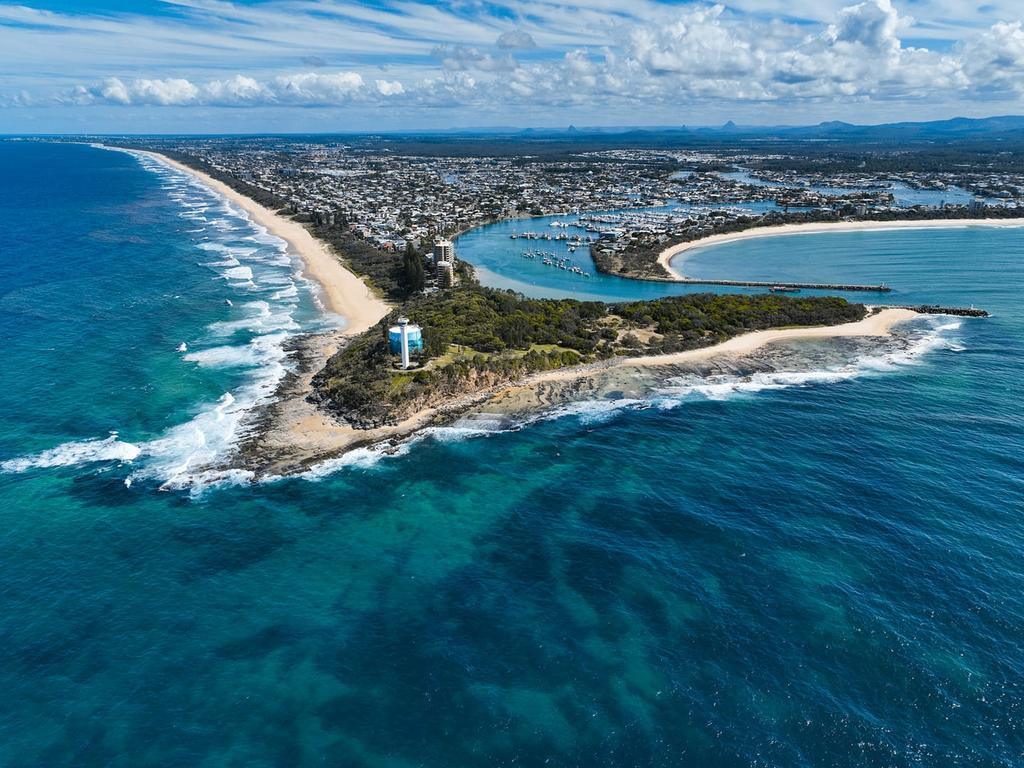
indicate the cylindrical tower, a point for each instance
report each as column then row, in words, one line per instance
column 404, row 338
column 403, row 329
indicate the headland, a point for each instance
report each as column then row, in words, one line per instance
column 299, row 429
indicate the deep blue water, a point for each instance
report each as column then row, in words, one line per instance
column 825, row 573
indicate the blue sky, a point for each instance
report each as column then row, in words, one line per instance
column 337, row 65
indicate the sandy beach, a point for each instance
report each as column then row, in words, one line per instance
column 880, row 323
column 666, row 256
column 344, row 292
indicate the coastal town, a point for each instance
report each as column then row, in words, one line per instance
column 632, row 202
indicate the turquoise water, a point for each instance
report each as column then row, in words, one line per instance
column 500, row 262
column 816, row 570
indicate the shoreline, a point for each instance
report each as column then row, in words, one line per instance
column 344, row 292
column 817, row 228
column 291, row 432
column 878, row 323
column 294, row 434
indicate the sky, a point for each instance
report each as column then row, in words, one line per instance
column 213, row 66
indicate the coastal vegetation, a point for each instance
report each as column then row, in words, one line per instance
column 384, row 270
column 478, row 338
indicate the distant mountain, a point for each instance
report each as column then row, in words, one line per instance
column 1004, row 132
column 957, row 128
column 939, row 130
column 835, row 125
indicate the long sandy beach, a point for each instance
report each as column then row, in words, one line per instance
column 666, row 256
column 344, row 292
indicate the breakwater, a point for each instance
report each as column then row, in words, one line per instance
column 935, row 309
column 881, row 288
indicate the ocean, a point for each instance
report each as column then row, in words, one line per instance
column 818, row 567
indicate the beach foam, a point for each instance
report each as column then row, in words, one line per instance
column 76, row 452
column 249, row 256
column 930, row 333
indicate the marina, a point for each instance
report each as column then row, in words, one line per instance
column 512, row 256
column 551, row 259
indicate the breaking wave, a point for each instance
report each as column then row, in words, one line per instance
column 250, row 341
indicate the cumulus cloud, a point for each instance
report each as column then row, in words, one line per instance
column 315, row 88
column 873, row 24
column 300, row 89
column 20, row 99
column 995, row 60
column 657, row 54
column 517, row 38
column 112, row 90
column 696, row 43
column 463, row 57
column 705, row 53
column 389, row 88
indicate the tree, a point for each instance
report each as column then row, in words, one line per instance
column 412, row 270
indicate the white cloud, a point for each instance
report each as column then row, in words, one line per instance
column 697, row 42
column 389, row 88
column 315, row 88
column 163, row 92
column 116, row 91
column 705, row 53
column 463, row 57
column 995, row 60
column 300, row 89
column 236, row 90
column 872, row 23
column 516, row 38
column 605, row 54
